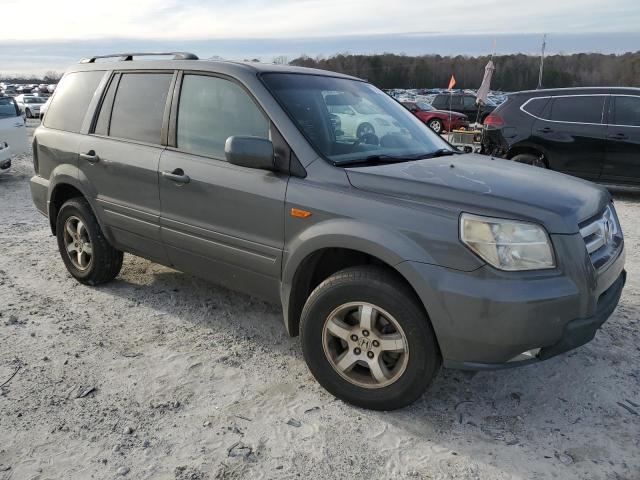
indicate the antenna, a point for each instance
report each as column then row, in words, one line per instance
column 544, row 45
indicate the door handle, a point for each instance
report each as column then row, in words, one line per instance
column 618, row 136
column 545, row 130
column 177, row 176
column 90, row 157
column 18, row 125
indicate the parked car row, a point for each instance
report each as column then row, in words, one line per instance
column 12, row 89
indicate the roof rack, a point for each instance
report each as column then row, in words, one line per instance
column 127, row 57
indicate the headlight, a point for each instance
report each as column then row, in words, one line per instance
column 507, row 244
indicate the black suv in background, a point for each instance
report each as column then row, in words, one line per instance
column 463, row 103
column 593, row 133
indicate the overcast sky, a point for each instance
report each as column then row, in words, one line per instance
column 53, row 34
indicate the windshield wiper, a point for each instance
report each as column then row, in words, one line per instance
column 441, row 152
column 383, row 158
column 375, row 158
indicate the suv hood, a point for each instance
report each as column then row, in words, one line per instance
column 486, row 186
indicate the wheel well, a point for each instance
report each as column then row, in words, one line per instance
column 527, row 150
column 319, row 266
column 61, row 193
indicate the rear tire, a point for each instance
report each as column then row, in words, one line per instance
column 27, row 113
column 530, row 159
column 387, row 366
column 83, row 247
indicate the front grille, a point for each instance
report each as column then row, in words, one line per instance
column 602, row 237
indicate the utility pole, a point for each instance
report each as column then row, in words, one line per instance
column 544, row 44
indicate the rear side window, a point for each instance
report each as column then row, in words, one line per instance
column 535, row 106
column 469, row 102
column 71, row 100
column 213, row 109
column 578, row 109
column 8, row 108
column 440, row 100
column 626, row 111
column 138, row 107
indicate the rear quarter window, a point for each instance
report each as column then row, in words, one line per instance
column 535, row 106
column 71, row 100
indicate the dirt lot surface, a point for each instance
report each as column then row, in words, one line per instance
column 162, row 375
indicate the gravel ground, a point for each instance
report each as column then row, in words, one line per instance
column 162, row 375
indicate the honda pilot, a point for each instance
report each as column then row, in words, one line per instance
column 391, row 253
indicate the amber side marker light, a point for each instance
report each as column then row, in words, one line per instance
column 296, row 212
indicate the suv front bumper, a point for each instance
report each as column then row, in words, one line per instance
column 487, row 319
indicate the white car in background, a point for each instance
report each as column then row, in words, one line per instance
column 12, row 127
column 30, row 105
column 356, row 118
column 43, row 108
column 5, row 157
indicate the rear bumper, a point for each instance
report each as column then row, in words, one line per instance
column 40, row 193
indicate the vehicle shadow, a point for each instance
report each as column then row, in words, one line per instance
column 200, row 303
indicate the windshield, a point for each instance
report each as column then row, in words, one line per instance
column 425, row 107
column 7, row 107
column 349, row 121
column 34, row 100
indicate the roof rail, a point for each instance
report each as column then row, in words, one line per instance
column 127, row 57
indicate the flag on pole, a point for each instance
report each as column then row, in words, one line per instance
column 483, row 91
column 452, row 83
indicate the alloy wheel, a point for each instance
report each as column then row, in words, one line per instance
column 77, row 243
column 365, row 345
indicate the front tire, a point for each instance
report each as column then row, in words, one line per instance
column 27, row 113
column 85, row 251
column 436, row 125
column 367, row 340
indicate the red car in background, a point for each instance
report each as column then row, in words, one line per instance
column 437, row 120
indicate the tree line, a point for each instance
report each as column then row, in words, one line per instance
column 512, row 72
column 49, row 77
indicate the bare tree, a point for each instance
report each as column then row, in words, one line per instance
column 52, row 77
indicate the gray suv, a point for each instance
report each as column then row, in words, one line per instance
column 390, row 252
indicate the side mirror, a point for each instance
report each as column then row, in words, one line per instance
column 251, row 152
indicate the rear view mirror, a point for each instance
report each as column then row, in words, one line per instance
column 251, row 152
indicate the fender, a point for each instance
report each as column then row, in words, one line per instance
column 67, row 174
column 528, row 145
column 387, row 245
